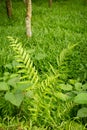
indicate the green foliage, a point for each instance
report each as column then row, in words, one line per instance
column 15, row 99
column 15, row 86
column 82, row 112
column 60, row 26
column 78, row 93
column 25, row 67
column 3, row 86
column 81, row 98
column 50, row 98
column 47, row 101
column 47, row 93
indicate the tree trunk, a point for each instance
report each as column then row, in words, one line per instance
column 9, row 8
column 50, row 3
column 28, row 17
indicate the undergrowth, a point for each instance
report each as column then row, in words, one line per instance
column 51, row 91
column 45, row 102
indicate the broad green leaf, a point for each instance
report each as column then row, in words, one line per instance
column 72, row 81
column 9, row 66
column 84, row 86
column 6, row 74
column 81, row 98
column 62, row 96
column 66, row 87
column 13, row 81
column 3, row 86
column 78, row 86
column 1, row 79
column 14, row 63
column 82, row 112
column 16, row 99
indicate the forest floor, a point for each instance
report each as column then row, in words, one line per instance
column 58, row 45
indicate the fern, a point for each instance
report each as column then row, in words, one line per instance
column 28, row 71
column 64, row 53
column 25, row 65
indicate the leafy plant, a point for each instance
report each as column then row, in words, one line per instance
column 44, row 90
column 44, row 95
column 60, row 26
column 28, row 74
column 16, row 85
column 81, row 98
column 78, row 93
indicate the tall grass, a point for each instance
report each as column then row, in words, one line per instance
column 53, row 29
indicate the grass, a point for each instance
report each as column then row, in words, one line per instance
column 53, row 30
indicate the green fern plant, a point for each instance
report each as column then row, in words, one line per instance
column 17, row 86
column 48, row 96
column 28, row 73
column 25, row 66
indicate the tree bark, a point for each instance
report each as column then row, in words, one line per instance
column 28, row 17
column 50, row 3
column 9, row 8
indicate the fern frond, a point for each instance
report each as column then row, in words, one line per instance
column 25, row 67
column 49, row 81
column 64, row 53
